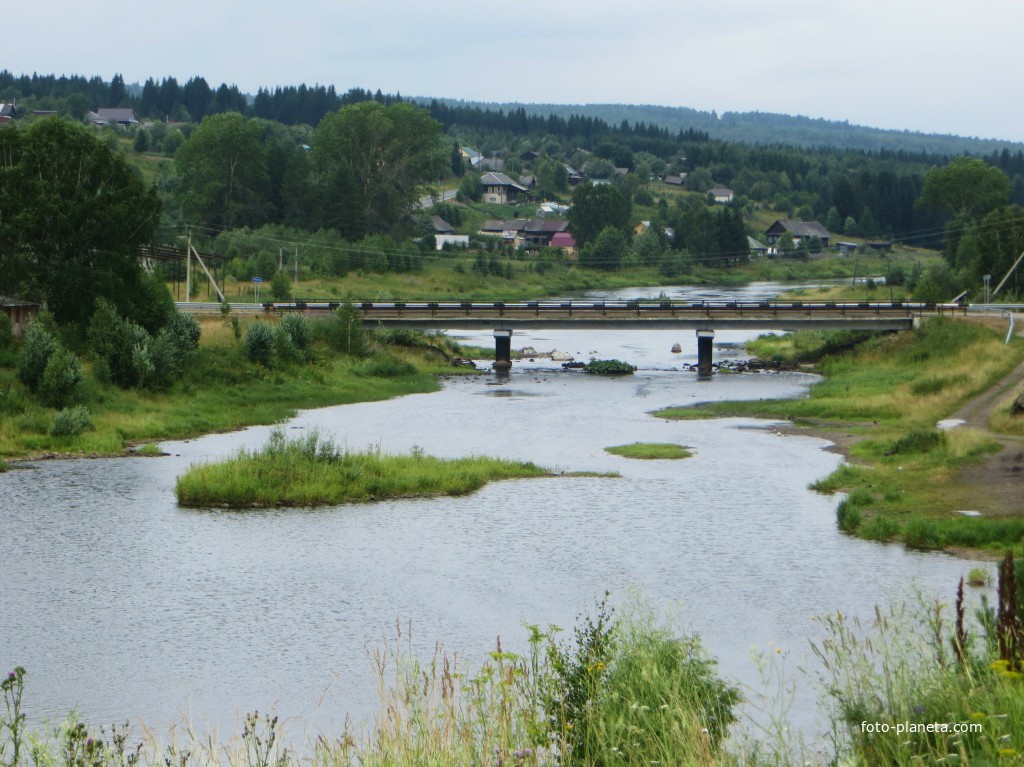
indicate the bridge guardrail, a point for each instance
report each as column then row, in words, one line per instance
column 572, row 308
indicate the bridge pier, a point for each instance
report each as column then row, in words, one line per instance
column 704, row 339
column 502, row 349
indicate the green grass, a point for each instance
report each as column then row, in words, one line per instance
column 313, row 471
column 650, row 450
column 221, row 391
column 891, row 390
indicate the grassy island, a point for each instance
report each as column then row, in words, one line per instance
column 313, row 471
column 650, row 451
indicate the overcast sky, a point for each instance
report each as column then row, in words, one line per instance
column 938, row 66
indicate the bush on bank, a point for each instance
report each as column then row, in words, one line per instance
column 193, row 378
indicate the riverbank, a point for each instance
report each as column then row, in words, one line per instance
column 221, row 390
column 881, row 404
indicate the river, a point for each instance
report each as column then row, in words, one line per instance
column 122, row 604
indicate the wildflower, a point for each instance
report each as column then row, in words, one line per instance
column 999, row 665
column 977, row 716
column 1007, row 752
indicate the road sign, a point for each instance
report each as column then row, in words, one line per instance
column 257, row 279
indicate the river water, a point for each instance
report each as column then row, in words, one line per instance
column 122, row 604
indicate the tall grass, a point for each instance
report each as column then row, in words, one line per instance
column 312, row 470
column 627, row 693
column 918, row 685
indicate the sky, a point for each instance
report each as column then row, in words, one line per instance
column 941, row 66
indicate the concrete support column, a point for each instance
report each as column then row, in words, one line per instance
column 502, row 349
column 704, row 339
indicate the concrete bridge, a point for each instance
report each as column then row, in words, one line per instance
column 504, row 317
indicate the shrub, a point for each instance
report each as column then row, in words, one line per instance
column 185, row 331
column 386, row 366
column 259, row 344
column 125, row 346
column 918, row 441
column 608, row 367
column 281, row 286
column 298, row 332
column 36, row 351
column 61, row 378
column 70, row 422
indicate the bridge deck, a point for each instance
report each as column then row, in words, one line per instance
column 633, row 314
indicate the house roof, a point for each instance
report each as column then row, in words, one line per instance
column 496, row 225
column 755, row 245
column 720, row 191
column 563, row 240
column 117, row 115
column 500, row 179
column 798, row 228
column 441, row 226
column 528, row 225
column 676, row 180
column 545, row 226
column 9, row 301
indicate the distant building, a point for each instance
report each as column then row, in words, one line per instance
column 20, row 312
column 757, row 248
column 441, row 226
column 526, row 233
column 565, row 241
column 801, row 231
column 722, row 195
column 117, row 116
column 500, row 189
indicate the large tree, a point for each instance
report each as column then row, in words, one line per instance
column 597, row 207
column 222, row 167
column 73, row 214
column 390, row 150
column 966, row 187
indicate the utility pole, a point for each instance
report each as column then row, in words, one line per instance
column 188, row 267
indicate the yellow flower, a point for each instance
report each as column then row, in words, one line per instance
column 977, row 716
column 999, row 665
column 1007, row 752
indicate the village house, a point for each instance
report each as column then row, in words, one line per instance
column 721, row 195
column 525, row 233
column 500, row 189
column 565, row 241
column 801, row 231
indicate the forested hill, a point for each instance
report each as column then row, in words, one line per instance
column 758, row 127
